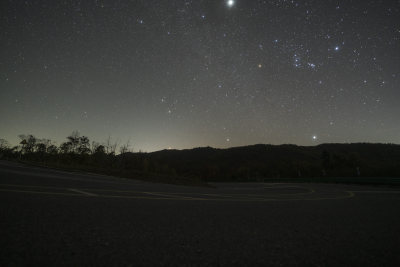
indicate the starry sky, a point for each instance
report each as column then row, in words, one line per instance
column 189, row 73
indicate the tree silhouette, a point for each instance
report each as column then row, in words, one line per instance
column 66, row 148
column 83, row 147
column 73, row 139
column 28, row 143
column 4, row 145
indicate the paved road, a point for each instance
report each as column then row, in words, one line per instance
column 58, row 218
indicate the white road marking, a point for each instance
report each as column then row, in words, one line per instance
column 82, row 192
column 377, row 192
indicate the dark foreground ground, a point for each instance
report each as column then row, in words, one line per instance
column 57, row 218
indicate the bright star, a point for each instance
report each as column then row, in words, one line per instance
column 230, row 3
column 314, row 137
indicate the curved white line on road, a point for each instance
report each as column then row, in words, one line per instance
column 169, row 195
column 82, row 192
column 376, row 192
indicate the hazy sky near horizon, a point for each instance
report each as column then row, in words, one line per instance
column 191, row 73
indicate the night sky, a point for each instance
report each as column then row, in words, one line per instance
column 184, row 74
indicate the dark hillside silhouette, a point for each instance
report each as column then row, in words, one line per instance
column 247, row 163
column 252, row 163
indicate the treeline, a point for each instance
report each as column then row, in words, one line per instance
column 79, row 153
column 248, row 163
column 76, row 150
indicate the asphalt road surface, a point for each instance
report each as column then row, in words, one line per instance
column 56, row 218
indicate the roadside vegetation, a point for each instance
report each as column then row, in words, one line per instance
column 352, row 163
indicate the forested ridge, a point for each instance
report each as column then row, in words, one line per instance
column 197, row 165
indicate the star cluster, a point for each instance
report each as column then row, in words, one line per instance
column 190, row 73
